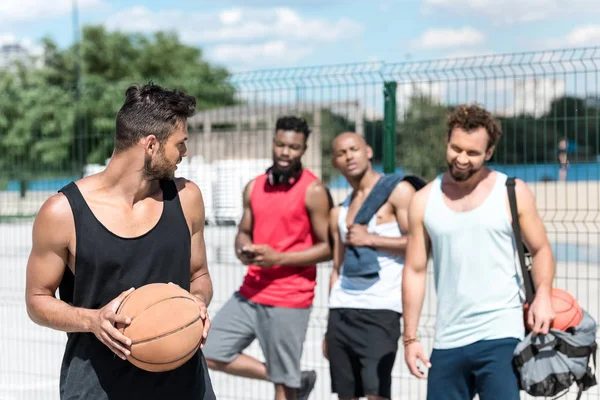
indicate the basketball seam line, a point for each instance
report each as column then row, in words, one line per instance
column 158, row 302
column 167, row 333
column 123, row 302
column 169, row 362
column 573, row 319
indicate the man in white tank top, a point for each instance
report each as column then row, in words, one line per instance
column 364, row 311
column 463, row 219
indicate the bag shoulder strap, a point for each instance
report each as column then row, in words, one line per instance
column 512, row 199
column 415, row 181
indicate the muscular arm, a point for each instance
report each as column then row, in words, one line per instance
column 318, row 204
column 244, row 234
column 414, row 274
column 400, row 199
column 337, row 248
column 534, row 236
column 52, row 231
column 193, row 205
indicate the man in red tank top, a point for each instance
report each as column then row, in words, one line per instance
column 282, row 235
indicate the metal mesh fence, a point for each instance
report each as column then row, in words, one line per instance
column 548, row 103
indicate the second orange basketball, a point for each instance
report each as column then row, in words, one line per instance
column 166, row 328
column 567, row 309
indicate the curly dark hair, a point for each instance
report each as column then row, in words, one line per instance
column 151, row 110
column 471, row 117
column 291, row 123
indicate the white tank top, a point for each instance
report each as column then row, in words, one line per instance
column 477, row 281
column 358, row 292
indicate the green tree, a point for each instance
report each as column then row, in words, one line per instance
column 48, row 127
column 331, row 125
column 421, row 138
column 527, row 139
column 36, row 124
column 573, row 119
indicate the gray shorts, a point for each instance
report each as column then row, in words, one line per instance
column 280, row 333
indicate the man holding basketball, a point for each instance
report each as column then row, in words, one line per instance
column 281, row 237
column 365, row 305
column 127, row 226
column 463, row 218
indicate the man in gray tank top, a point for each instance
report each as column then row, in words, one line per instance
column 463, row 219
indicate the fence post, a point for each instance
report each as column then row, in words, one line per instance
column 389, row 127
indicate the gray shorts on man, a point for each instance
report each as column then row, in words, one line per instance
column 280, row 333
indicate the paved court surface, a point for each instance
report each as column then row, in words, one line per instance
column 30, row 355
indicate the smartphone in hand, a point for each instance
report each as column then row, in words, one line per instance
column 247, row 253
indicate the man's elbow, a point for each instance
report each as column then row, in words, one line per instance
column 543, row 259
column 243, row 236
column 327, row 253
column 322, row 251
column 209, row 295
column 30, row 312
column 33, row 306
column 544, row 250
column 414, row 269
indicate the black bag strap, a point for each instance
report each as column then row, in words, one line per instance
column 415, row 181
column 512, row 199
column 589, row 379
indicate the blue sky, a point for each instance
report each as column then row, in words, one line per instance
column 253, row 34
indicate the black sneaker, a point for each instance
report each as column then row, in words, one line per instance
column 307, row 383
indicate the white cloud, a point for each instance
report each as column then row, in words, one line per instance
column 140, row 19
column 443, row 38
column 28, row 10
column 587, row 35
column 230, row 17
column 236, row 25
column 581, row 36
column 262, row 54
column 248, row 36
column 510, row 11
column 7, row 38
column 295, row 3
column 469, row 53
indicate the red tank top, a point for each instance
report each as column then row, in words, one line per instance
column 281, row 221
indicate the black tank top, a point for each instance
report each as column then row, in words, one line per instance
column 105, row 266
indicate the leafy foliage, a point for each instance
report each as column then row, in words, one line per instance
column 49, row 123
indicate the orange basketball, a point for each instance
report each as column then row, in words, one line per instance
column 567, row 309
column 166, row 328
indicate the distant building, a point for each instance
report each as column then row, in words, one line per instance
column 246, row 131
column 534, row 96
column 12, row 52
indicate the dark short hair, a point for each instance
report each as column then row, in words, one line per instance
column 472, row 117
column 151, row 110
column 291, row 123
